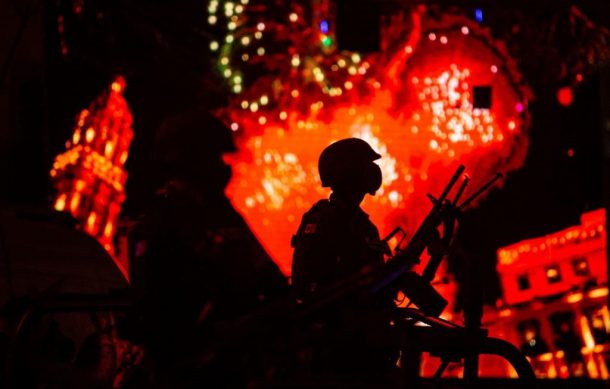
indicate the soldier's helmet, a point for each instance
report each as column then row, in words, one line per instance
column 348, row 165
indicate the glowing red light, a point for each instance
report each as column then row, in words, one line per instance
column 565, row 96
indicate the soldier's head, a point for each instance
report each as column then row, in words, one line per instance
column 347, row 166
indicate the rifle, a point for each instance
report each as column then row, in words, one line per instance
column 398, row 273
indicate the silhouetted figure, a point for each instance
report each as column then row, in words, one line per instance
column 196, row 263
column 336, row 239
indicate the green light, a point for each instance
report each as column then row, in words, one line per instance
column 327, row 41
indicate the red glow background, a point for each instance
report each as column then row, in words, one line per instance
column 416, row 111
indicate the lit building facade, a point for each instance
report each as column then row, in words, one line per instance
column 89, row 176
column 555, row 301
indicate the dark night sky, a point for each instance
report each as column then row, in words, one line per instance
column 161, row 50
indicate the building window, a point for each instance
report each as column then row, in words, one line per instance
column 552, row 274
column 581, row 266
column 523, row 281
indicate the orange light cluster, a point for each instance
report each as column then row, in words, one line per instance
column 90, row 176
column 415, row 109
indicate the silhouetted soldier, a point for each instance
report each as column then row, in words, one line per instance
column 336, row 239
column 196, row 261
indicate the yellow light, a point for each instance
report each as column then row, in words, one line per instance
column 90, row 134
column 260, row 51
column 254, row 107
column 245, row 40
column 237, row 88
column 224, row 60
column 264, row 100
column 546, row 357
column 237, row 79
column 108, row 229
column 260, row 26
column 599, row 292
column 258, row 35
column 319, row 76
column 352, row 70
column 108, row 149
column 244, row 104
column 505, row 312
column 60, row 203
column 262, row 120
column 295, row 61
column 91, row 221
column 283, row 115
column 229, row 38
column 293, row 17
column 227, row 73
column 124, row 157
column 212, row 19
column 348, row 85
column 76, row 137
column 574, row 298
column 231, row 25
column 295, row 93
column 234, row 126
column 116, row 87
column 355, row 58
column 214, row 45
column 244, row 2
column 239, row 8
column 341, row 63
column 245, row 57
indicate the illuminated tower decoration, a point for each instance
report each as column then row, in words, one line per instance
column 90, row 176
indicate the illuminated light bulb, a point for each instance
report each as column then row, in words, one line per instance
column 227, row 73
column 244, row 2
column 123, row 158
column 239, row 8
column 245, row 40
column 237, row 88
column 283, row 115
column 293, row 17
column 237, row 79
column 108, row 149
column 212, row 19
column 229, row 38
column 91, row 221
column 260, row 51
column 76, row 137
column 262, row 120
column 214, row 45
column 294, row 93
column 116, row 86
column 319, row 76
column 408, row 49
column 244, row 104
column 334, row 67
column 228, row 12
column 260, row 26
column 377, row 85
column 264, row 100
column 352, row 70
column 231, row 26
column 494, row 69
column 245, row 57
column 254, row 107
column 224, row 60
column 361, row 70
column 229, row 5
column 432, row 36
column 465, row 30
column 60, row 203
column 295, row 61
column 90, row 134
column 355, row 58
column 443, row 40
column 348, row 85
column 341, row 62
column 258, row 35
column 234, row 126
column 433, row 145
column 512, row 125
